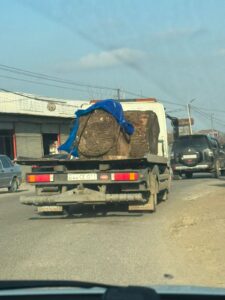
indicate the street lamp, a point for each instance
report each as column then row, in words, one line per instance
column 189, row 114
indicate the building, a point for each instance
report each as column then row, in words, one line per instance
column 30, row 126
column 212, row 132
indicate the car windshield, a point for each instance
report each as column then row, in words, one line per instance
column 96, row 97
column 196, row 142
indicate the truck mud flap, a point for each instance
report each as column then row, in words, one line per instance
column 85, row 196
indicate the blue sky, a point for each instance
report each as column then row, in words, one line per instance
column 173, row 50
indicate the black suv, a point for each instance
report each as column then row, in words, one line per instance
column 197, row 153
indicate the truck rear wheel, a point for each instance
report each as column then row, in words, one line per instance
column 151, row 197
column 152, row 202
column 163, row 195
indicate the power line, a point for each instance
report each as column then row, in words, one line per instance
column 30, row 97
column 210, row 109
column 56, row 79
column 50, row 78
column 42, row 76
column 145, row 97
column 24, row 72
column 42, row 83
column 208, row 116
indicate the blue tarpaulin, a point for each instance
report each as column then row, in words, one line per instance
column 111, row 106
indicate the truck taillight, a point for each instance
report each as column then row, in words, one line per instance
column 40, row 178
column 131, row 176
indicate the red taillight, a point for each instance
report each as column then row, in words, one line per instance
column 40, row 178
column 131, row 176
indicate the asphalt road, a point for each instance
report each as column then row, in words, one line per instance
column 166, row 247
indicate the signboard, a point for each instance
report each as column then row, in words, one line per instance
column 23, row 104
column 184, row 130
column 185, row 122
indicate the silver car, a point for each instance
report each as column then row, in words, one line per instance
column 10, row 174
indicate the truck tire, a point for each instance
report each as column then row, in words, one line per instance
column 152, row 202
column 14, row 186
column 163, row 195
column 153, row 197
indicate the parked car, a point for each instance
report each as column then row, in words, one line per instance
column 10, row 174
column 197, row 153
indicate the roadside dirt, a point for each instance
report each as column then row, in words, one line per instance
column 199, row 232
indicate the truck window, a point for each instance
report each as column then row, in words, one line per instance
column 198, row 142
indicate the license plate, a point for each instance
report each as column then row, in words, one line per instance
column 82, row 177
column 50, row 208
column 189, row 156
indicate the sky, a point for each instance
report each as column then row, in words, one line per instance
column 173, row 50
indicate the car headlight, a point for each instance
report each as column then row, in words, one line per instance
column 210, row 152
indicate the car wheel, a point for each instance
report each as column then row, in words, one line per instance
column 188, row 175
column 14, row 186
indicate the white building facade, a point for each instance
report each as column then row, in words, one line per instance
column 30, row 124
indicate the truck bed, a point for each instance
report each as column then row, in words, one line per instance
column 93, row 163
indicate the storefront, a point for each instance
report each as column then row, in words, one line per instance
column 33, row 127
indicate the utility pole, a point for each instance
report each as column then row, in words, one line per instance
column 212, row 130
column 118, row 94
column 189, row 115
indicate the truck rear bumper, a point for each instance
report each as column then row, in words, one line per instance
column 84, row 196
column 194, row 168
